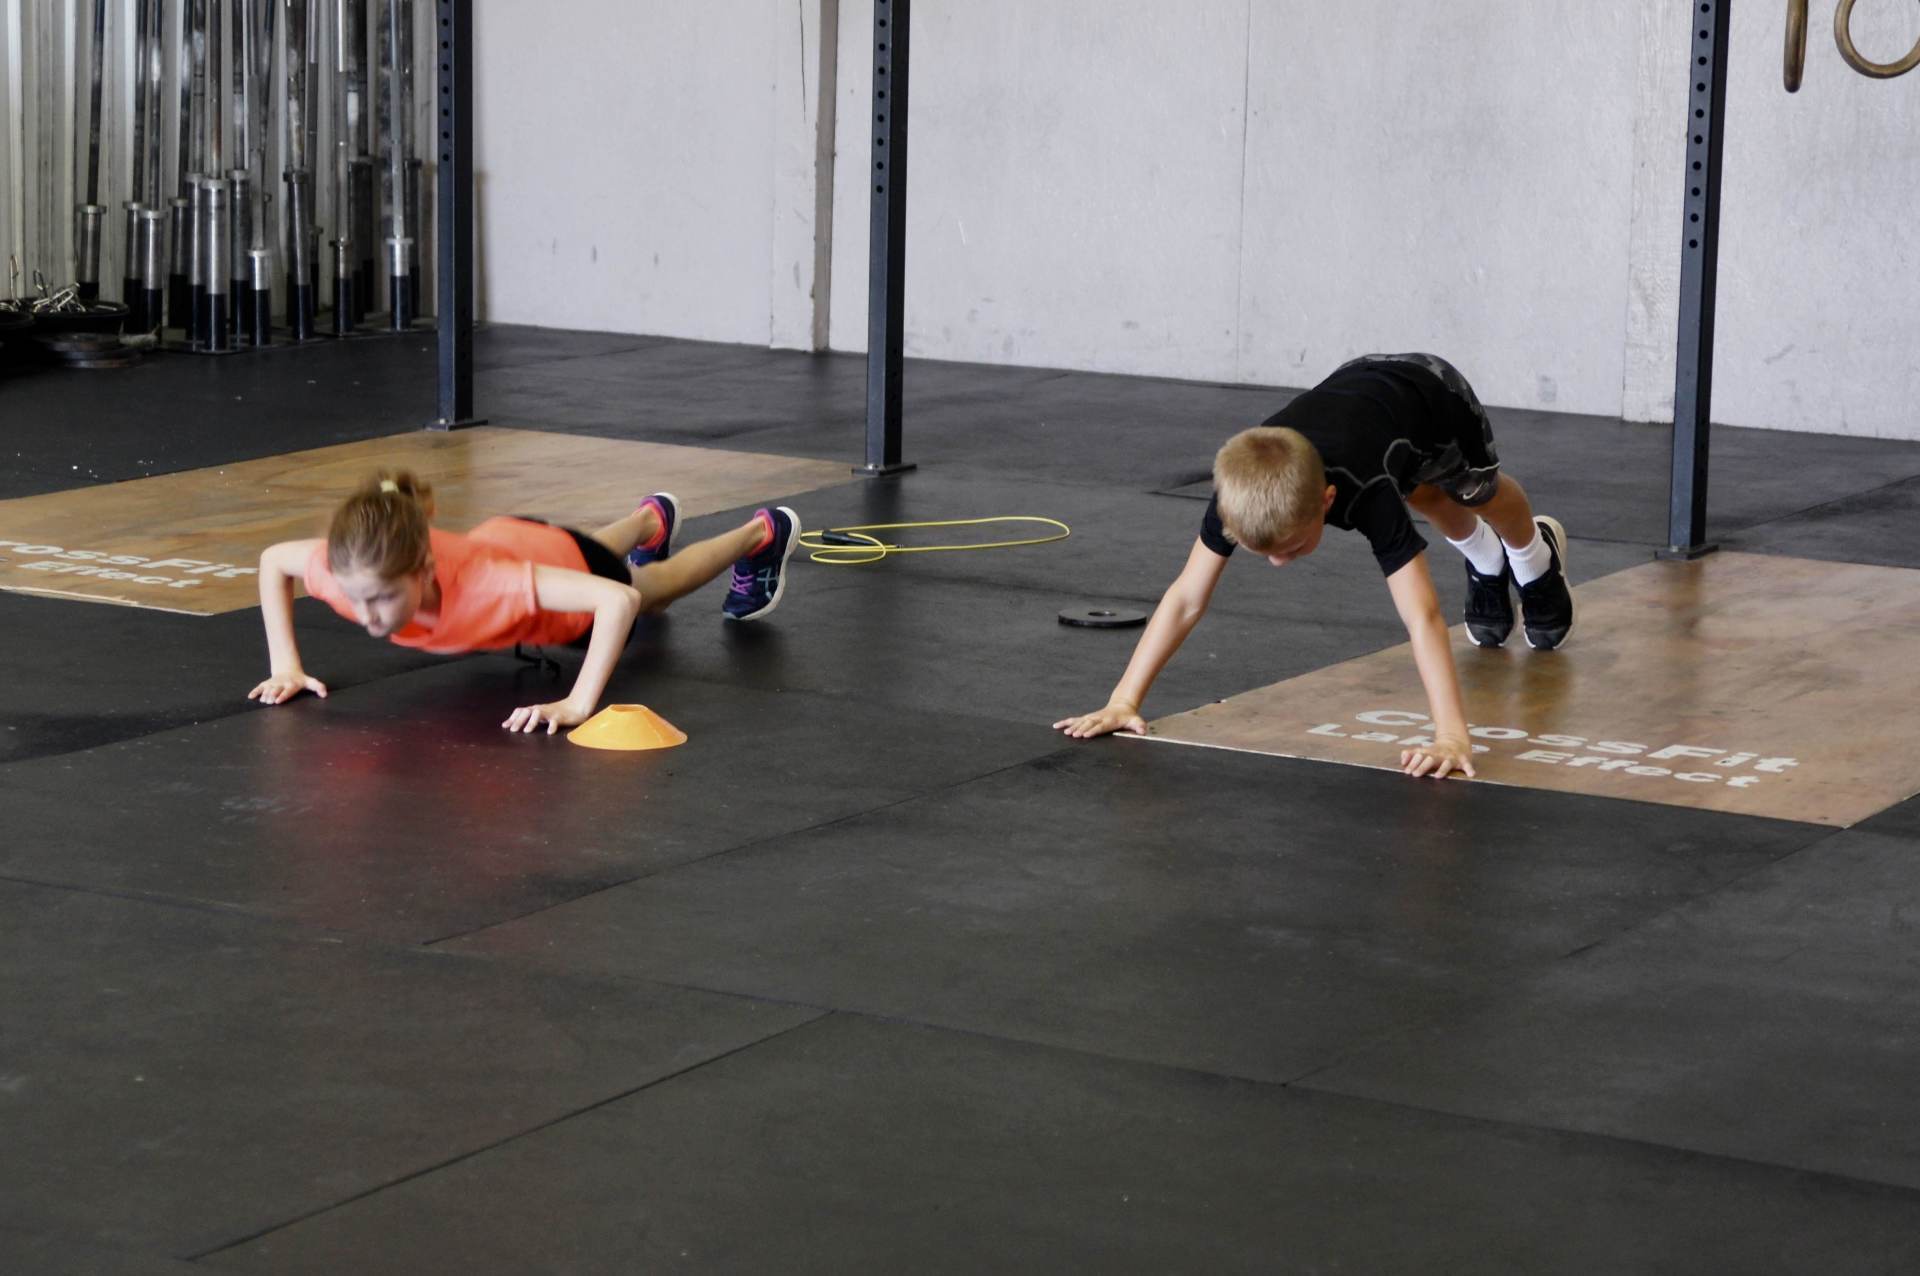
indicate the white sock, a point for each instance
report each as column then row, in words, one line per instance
column 1531, row 561
column 1483, row 549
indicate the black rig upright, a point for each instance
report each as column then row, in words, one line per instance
column 887, row 239
column 1699, row 270
column 454, row 233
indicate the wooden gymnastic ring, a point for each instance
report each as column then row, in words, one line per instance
column 1796, row 52
column 1843, row 36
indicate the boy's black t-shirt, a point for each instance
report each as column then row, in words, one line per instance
column 1375, row 425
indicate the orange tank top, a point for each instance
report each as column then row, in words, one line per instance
column 487, row 598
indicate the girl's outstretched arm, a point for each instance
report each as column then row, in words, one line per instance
column 280, row 566
column 613, row 606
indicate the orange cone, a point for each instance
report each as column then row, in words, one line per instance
column 627, row 726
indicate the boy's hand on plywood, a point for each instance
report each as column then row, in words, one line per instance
column 1118, row 716
column 1444, row 757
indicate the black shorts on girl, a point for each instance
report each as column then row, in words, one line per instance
column 600, row 560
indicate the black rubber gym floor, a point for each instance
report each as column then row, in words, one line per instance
column 877, row 973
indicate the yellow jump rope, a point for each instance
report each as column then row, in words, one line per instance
column 852, row 546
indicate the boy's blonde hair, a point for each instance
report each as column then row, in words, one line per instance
column 1270, row 485
column 382, row 527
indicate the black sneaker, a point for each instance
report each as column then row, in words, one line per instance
column 1546, row 605
column 760, row 578
column 1489, row 606
column 667, row 506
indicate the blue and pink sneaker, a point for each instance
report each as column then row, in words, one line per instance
column 760, row 577
column 667, row 506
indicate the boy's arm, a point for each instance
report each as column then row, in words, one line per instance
column 1179, row 611
column 1419, row 608
column 613, row 606
column 280, row 566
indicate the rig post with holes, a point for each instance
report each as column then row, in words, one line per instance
column 887, row 239
column 453, row 145
column 1699, row 268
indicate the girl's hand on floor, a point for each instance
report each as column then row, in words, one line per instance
column 561, row 713
column 282, row 687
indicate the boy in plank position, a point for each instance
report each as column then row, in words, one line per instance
column 1382, row 433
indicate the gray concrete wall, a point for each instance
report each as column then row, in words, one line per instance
column 1235, row 190
column 1075, row 182
column 627, row 162
column 1257, row 192
column 1454, row 178
column 1819, row 321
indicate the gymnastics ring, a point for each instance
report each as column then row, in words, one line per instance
column 1843, row 36
column 852, row 546
column 1796, row 51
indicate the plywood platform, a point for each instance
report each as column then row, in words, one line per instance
column 1745, row 683
column 191, row 541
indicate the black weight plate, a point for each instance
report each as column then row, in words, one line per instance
column 1102, row 618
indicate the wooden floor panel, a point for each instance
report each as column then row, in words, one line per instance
column 1744, row 683
column 191, row 541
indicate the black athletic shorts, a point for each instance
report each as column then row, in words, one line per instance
column 601, row 561
column 1469, row 469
